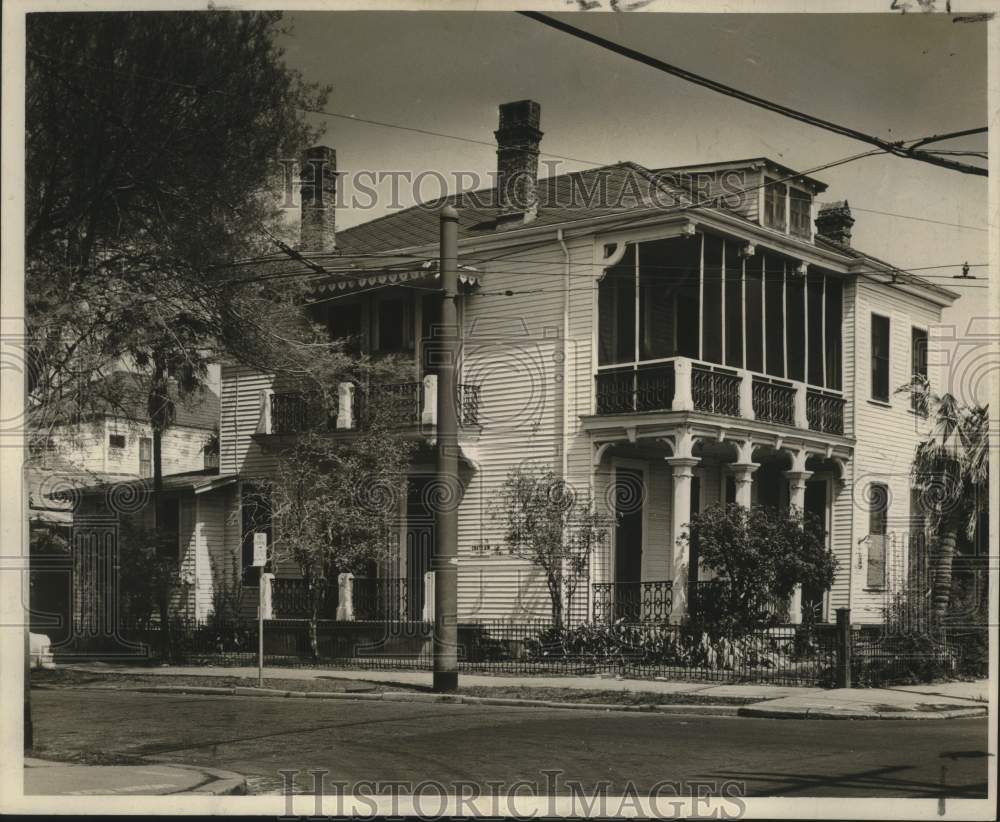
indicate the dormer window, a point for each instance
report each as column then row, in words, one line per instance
column 799, row 213
column 787, row 209
column 775, row 194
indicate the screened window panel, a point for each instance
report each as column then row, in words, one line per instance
column 755, row 321
column 734, row 305
column 664, row 268
column 815, row 300
column 711, row 345
column 775, row 316
column 616, row 312
column 834, row 332
column 796, row 327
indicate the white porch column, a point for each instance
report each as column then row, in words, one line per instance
column 345, row 406
column 683, row 399
column 428, row 415
column 796, row 502
column 801, row 418
column 264, row 418
column 345, row 600
column 743, row 475
column 266, row 581
column 428, row 612
column 680, row 514
column 746, row 395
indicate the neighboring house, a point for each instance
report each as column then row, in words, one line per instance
column 82, row 474
column 666, row 338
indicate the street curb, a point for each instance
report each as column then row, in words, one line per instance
column 221, row 783
column 403, row 696
column 819, row 713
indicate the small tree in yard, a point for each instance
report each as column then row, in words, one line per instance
column 762, row 554
column 334, row 500
column 547, row 523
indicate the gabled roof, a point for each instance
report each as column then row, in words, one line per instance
column 621, row 187
column 818, row 186
column 124, row 394
column 199, row 482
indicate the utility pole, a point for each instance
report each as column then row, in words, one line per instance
column 445, row 562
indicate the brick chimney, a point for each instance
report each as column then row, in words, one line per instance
column 318, row 178
column 517, row 163
column 834, row 222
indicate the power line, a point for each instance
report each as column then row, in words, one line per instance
column 896, row 148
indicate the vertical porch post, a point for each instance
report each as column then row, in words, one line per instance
column 743, row 470
column 797, row 477
column 679, row 515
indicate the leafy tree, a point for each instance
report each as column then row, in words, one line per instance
column 333, row 497
column 546, row 522
column 761, row 554
column 153, row 140
column 951, row 472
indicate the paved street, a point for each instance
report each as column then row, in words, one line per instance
column 382, row 741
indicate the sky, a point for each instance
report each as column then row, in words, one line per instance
column 897, row 77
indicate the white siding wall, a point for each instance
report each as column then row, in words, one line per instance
column 887, row 435
column 240, row 415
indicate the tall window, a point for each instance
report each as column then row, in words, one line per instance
column 834, row 337
column 799, row 223
column 880, row 358
column 168, row 528
column 918, row 355
column 344, row 322
column 616, row 310
column 145, row 457
column 775, row 194
column 878, row 501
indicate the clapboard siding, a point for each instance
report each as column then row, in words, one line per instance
column 887, row 434
column 240, row 415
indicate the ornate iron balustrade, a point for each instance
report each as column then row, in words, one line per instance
column 402, row 402
column 292, row 599
column 643, row 388
column 615, row 391
column 380, row 598
column 825, row 412
column 773, row 401
column 633, row 601
column 717, row 392
column 289, row 413
column 468, row 403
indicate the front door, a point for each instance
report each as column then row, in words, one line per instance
column 629, row 495
column 815, row 506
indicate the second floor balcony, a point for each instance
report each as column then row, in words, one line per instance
column 411, row 405
column 683, row 384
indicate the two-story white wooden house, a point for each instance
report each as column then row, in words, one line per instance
column 664, row 338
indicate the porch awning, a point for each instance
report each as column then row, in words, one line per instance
column 426, row 274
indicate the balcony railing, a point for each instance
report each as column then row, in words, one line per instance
column 716, row 391
column 406, row 404
column 644, row 388
column 649, row 601
column 825, row 411
column 773, row 401
column 288, row 413
column 682, row 384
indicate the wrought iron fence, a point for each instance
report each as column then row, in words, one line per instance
column 825, row 412
column 380, row 598
column 292, row 598
column 715, row 391
column 773, row 401
column 649, row 601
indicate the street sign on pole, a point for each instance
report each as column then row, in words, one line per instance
column 259, row 561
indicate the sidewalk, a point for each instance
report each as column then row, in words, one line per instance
column 945, row 700
column 43, row 778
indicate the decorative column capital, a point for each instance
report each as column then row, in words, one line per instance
column 743, row 471
column 682, row 466
column 796, row 477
